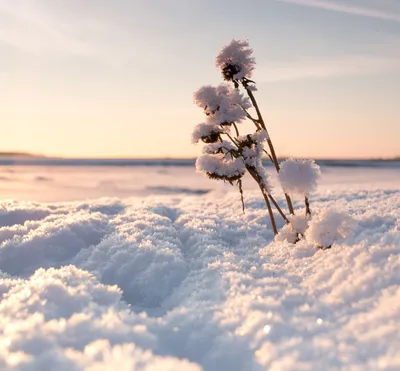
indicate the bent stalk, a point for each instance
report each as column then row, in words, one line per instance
column 273, row 156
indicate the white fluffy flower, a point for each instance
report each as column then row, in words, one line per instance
column 329, row 227
column 217, row 166
column 208, row 133
column 299, row 176
column 222, row 104
column 235, row 60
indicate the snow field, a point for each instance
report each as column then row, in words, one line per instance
column 190, row 283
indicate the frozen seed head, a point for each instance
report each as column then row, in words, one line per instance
column 222, row 104
column 235, row 60
column 299, row 176
column 217, row 166
column 206, row 133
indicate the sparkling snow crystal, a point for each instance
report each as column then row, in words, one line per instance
column 235, row 60
column 299, row 176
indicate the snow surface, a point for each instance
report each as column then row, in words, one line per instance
column 189, row 282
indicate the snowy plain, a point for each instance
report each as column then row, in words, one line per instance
column 130, row 268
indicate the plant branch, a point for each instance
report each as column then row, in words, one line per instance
column 264, row 192
column 256, row 122
column 241, row 193
column 308, row 211
column 279, row 209
column 236, row 129
column 269, row 142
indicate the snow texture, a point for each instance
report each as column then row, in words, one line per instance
column 189, row 282
column 299, row 176
column 221, row 104
column 238, row 55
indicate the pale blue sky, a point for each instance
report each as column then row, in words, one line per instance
column 115, row 78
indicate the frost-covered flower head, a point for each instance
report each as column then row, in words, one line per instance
column 217, row 166
column 299, row 176
column 235, row 60
column 329, row 227
column 222, row 104
column 208, row 133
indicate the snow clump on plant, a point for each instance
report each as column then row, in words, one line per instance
column 299, row 176
column 235, row 60
column 328, row 227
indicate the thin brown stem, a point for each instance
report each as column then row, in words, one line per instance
column 236, row 129
column 279, row 209
column 233, row 140
column 271, row 214
column 264, row 192
column 289, row 202
column 308, row 211
column 269, row 142
column 241, row 193
column 268, row 155
column 255, row 121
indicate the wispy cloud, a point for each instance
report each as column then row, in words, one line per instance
column 352, row 65
column 349, row 8
column 28, row 28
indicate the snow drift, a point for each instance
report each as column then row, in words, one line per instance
column 190, row 283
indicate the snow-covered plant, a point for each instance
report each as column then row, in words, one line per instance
column 227, row 155
column 299, row 177
column 328, row 227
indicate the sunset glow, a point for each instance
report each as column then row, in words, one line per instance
column 97, row 78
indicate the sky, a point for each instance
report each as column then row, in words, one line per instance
column 101, row 78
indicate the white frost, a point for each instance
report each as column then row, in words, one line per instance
column 299, row 176
column 222, row 104
column 204, row 131
column 218, row 164
column 328, row 227
column 238, row 54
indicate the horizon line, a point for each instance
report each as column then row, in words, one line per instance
column 18, row 154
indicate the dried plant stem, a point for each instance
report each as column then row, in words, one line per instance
column 274, row 159
column 265, row 193
column 236, row 129
column 279, row 209
column 271, row 214
column 308, row 211
column 289, row 202
column 241, row 193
